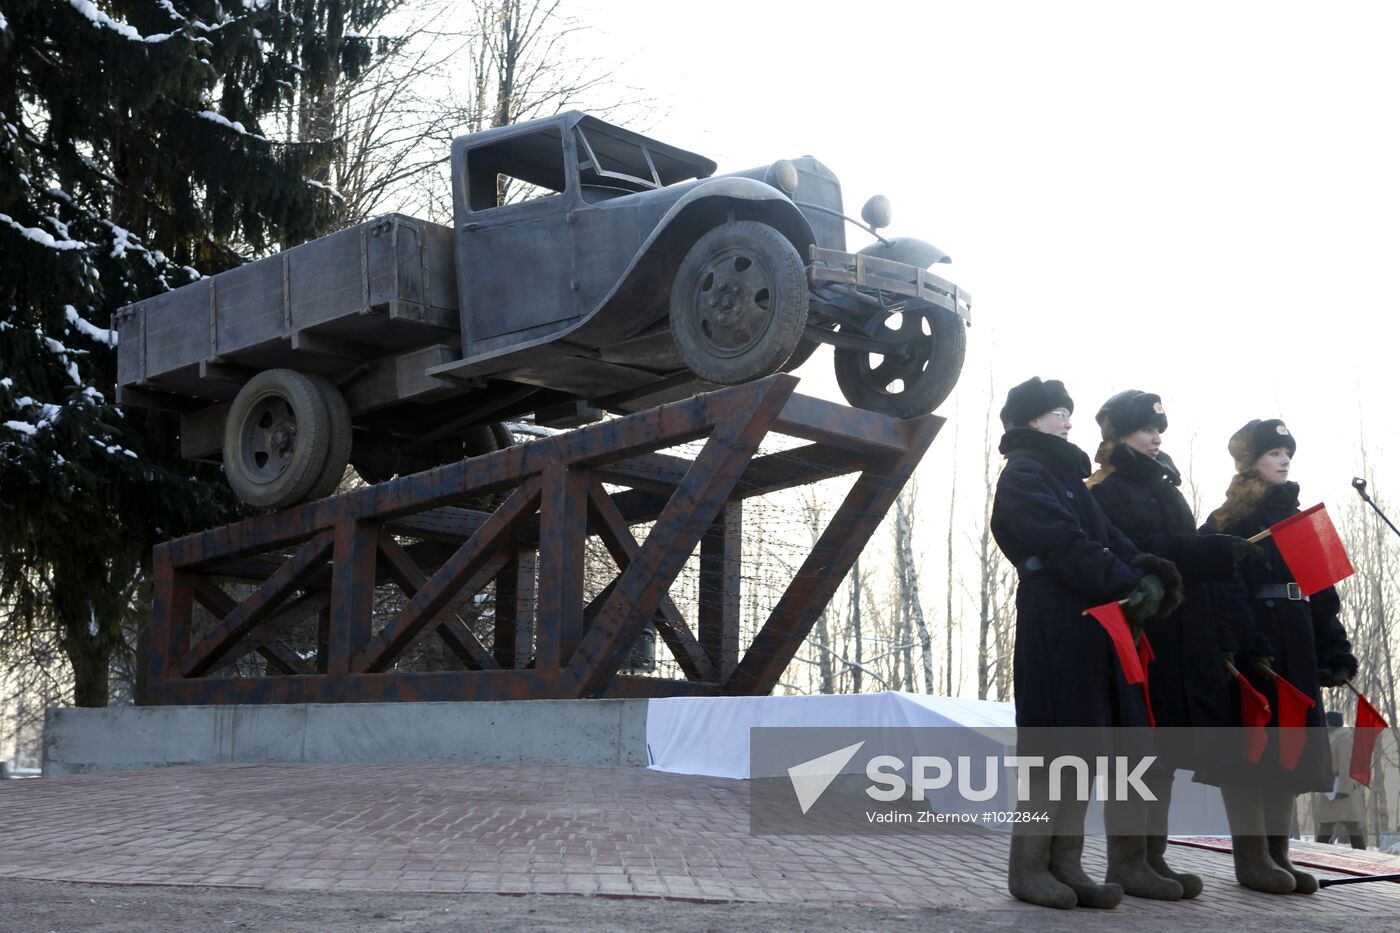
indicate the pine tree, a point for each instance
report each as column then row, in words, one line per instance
column 133, row 160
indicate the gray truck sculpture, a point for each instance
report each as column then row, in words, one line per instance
column 627, row 277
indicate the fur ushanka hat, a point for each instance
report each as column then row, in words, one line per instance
column 1131, row 410
column 1257, row 438
column 1033, row 398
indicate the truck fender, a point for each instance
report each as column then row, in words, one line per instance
column 642, row 294
column 647, row 281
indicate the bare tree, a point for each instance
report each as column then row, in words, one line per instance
column 813, row 513
column 950, row 624
column 910, row 604
column 1367, row 601
column 853, row 625
column 995, row 586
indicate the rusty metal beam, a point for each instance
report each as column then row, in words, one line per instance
column 721, row 557
column 513, row 643
column 739, row 429
column 826, row 566
column 327, row 557
column 205, row 656
column 284, row 659
column 670, row 624
column 352, row 592
column 211, row 597
column 172, row 610
column 563, row 532
column 836, row 425
column 439, row 590
column 453, row 630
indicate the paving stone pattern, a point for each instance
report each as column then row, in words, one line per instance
column 517, row 828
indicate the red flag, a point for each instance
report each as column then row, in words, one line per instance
column 1293, row 706
column 1313, row 550
column 1145, row 657
column 1110, row 616
column 1254, row 711
column 1369, row 724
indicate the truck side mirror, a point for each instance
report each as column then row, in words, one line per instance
column 876, row 212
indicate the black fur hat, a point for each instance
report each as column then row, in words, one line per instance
column 1257, row 438
column 1129, row 411
column 1033, row 398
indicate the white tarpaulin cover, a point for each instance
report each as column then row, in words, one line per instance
column 710, row 735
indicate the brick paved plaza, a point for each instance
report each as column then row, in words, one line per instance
column 548, row 829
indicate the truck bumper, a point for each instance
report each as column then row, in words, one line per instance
column 870, row 274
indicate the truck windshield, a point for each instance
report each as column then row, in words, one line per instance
column 615, row 162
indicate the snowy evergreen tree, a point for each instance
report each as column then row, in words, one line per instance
column 137, row 153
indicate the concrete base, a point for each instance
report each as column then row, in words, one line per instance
column 595, row 732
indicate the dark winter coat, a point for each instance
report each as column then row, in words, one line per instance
column 1066, row 672
column 1188, row 679
column 1299, row 636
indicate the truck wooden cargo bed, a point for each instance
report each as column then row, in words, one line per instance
column 371, row 291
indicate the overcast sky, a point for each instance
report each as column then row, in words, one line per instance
column 1195, row 199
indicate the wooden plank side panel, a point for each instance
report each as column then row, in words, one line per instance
column 177, row 329
column 441, row 291
column 326, row 279
column 249, row 299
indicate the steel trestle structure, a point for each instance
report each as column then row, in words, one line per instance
column 431, row 535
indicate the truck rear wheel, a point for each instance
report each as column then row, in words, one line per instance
column 276, row 439
column 916, row 378
column 739, row 303
column 340, row 436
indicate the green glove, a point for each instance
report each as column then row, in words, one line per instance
column 1331, row 677
column 1243, row 549
column 1144, row 599
column 1263, row 666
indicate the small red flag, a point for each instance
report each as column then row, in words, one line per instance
column 1369, row 724
column 1293, row 706
column 1312, row 548
column 1254, row 711
column 1132, row 658
column 1145, row 657
column 1110, row 616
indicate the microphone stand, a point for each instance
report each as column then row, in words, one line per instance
column 1359, row 485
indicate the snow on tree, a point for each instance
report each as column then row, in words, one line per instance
column 138, row 151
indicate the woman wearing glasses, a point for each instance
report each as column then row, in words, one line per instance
column 1069, row 558
column 1137, row 487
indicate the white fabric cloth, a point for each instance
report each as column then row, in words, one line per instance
column 710, row 735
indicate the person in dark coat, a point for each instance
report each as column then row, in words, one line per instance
column 1137, row 488
column 1280, row 633
column 1069, row 558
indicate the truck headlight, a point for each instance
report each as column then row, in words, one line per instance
column 782, row 175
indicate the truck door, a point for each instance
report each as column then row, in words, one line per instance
column 514, row 240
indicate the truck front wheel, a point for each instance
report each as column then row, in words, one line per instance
column 739, row 303
column 277, row 439
column 918, row 372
